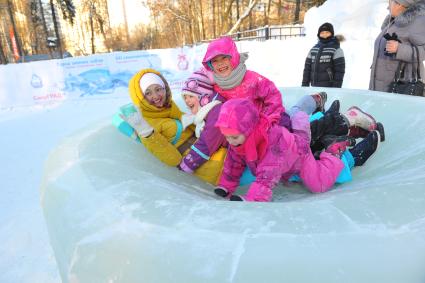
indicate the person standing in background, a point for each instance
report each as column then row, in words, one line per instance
column 325, row 62
column 402, row 29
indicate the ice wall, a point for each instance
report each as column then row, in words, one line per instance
column 116, row 214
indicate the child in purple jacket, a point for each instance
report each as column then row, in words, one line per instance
column 204, row 105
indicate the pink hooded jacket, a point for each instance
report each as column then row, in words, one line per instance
column 259, row 89
column 285, row 153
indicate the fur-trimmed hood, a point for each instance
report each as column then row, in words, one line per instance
column 408, row 16
column 340, row 37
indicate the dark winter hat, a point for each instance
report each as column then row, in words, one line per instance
column 326, row 27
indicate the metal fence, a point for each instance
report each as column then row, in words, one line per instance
column 270, row 32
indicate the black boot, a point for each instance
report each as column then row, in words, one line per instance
column 364, row 149
column 334, row 108
column 330, row 124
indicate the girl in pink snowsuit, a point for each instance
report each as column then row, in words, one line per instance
column 232, row 80
column 271, row 152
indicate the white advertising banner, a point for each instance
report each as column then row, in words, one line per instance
column 95, row 76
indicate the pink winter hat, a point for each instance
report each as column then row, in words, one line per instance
column 200, row 85
column 222, row 46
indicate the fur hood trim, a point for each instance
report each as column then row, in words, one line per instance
column 340, row 37
column 408, row 16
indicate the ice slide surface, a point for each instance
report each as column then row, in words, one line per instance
column 116, row 214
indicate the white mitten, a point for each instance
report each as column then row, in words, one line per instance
column 140, row 125
column 187, row 119
column 199, row 127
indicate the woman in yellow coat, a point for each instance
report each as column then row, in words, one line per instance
column 158, row 124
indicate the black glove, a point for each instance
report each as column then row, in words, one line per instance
column 393, row 36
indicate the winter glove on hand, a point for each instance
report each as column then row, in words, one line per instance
column 139, row 124
column 183, row 167
column 187, row 119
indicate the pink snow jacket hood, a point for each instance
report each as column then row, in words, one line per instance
column 260, row 90
column 222, row 46
column 241, row 115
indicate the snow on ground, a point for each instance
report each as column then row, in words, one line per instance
column 29, row 133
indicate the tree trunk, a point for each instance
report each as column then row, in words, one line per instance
column 15, row 31
column 3, row 59
column 124, row 11
column 101, row 21
column 226, row 15
column 202, row 20
column 297, row 12
column 55, row 24
column 219, row 18
column 279, row 10
column 46, row 32
column 194, row 16
column 251, row 21
column 191, row 30
column 267, row 17
column 247, row 12
column 181, row 32
column 237, row 11
column 214, row 19
column 93, row 50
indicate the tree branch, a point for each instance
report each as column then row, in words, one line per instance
column 248, row 10
column 180, row 17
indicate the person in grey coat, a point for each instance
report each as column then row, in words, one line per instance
column 406, row 26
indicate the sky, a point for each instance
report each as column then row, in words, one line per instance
column 30, row 133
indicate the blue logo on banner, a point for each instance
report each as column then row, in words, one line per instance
column 36, row 81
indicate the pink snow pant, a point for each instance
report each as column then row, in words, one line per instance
column 317, row 175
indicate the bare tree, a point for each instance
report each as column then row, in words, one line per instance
column 267, row 14
column 55, row 23
column 3, row 59
column 43, row 19
column 202, row 19
column 245, row 14
column 297, row 11
column 214, row 19
column 68, row 13
column 15, row 30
